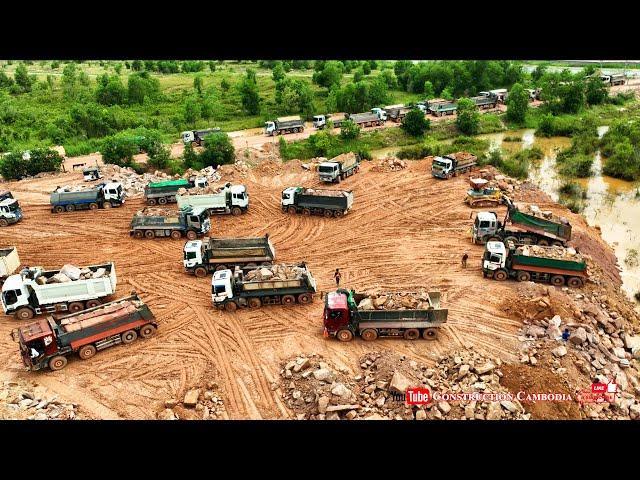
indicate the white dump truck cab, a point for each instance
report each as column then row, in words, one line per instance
column 193, row 253
column 605, row 78
column 15, row 292
column 239, row 196
column 91, row 174
column 10, row 211
column 422, row 107
column 380, row 112
column 319, row 121
column 328, row 171
column 221, row 286
column 269, row 127
column 486, row 223
column 188, row 137
column 113, row 191
column 441, row 167
column 288, row 195
column 495, row 256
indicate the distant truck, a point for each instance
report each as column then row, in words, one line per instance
column 197, row 137
column 322, row 121
column 501, row 94
column 10, row 210
column 339, row 168
column 232, row 199
column 396, row 113
column 484, row 101
column 614, row 79
column 165, row 192
column 213, row 254
column 439, row 109
column 453, row 164
column 188, row 222
column 330, row 203
column 104, row 195
column 27, row 294
column 533, row 263
column 343, row 320
column 48, row 342
column 534, row 93
column 9, row 262
column 367, row 119
column 4, row 194
column 230, row 291
column 283, row 125
column 525, row 228
column 91, row 173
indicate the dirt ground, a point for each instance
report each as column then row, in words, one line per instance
column 407, row 231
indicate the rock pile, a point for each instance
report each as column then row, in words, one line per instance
column 208, row 190
column 157, row 212
column 554, row 252
column 389, row 164
column 198, row 402
column 71, row 273
column 23, row 401
column 275, row 272
column 396, row 301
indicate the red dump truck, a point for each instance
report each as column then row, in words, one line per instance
column 48, row 342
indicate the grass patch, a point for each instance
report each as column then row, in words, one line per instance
column 572, row 196
column 512, row 139
column 575, row 166
column 490, row 123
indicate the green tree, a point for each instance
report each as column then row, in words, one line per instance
column 118, row 68
column 359, row 75
column 429, row 92
column 390, row 79
column 278, row 72
column 197, row 84
column 468, row 119
column 50, row 81
column 22, row 78
column 330, row 75
column 294, row 96
column 191, row 110
column 366, row 68
column 517, row 103
column 212, row 66
column 249, row 95
column 349, row 130
column 70, row 81
column 224, row 85
column 14, row 166
column 415, row 123
column 136, row 65
column 5, row 80
column 573, row 97
column 538, row 73
column 119, row 150
column 190, row 157
column 159, row 157
column 596, row 91
column 218, row 150
column 141, row 86
column 110, row 90
column 373, row 65
column 446, row 94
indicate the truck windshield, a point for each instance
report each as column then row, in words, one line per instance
column 189, row 255
column 13, row 207
column 217, row 289
column 440, row 164
column 326, row 169
column 285, row 196
column 10, row 296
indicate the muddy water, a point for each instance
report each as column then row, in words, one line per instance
column 611, row 203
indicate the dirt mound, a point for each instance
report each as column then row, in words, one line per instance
column 389, row 164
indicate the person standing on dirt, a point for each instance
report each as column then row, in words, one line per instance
column 464, row 259
column 337, row 276
column 566, row 335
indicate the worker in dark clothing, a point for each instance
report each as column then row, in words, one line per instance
column 464, row 259
column 566, row 334
column 337, row 276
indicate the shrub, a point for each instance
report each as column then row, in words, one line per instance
column 14, row 166
column 119, row 150
column 468, row 119
column 349, row 130
column 159, row 157
column 364, row 154
column 415, row 123
column 476, row 146
column 425, row 149
column 218, row 150
column 512, row 139
column 575, row 166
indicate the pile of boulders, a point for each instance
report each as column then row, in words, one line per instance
column 553, row 252
column 208, row 190
column 395, row 301
column 275, row 272
column 71, row 273
column 201, row 403
column 24, row 401
column 389, row 164
column 157, row 212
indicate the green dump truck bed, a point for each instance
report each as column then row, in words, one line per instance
column 548, row 263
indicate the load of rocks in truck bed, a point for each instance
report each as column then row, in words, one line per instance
column 71, row 273
column 73, row 188
column 105, row 313
column 395, row 301
column 546, row 214
column 157, row 212
column 389, row 164
column 554, row 252
column 275, row 272
column 463, row 157
column 208, row 190
column 348, row 158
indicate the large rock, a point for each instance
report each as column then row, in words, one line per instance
column 509, row 405
column 366, row 304
column 380, row 301
column 421, row 415
column 191, row 398
column 560, row 351
column 399, row 383
column 59, row 278
column 167, row 414
column 495, row 411
column 579, row 336
column 323, row 374
column 71, row 271
column 619, row 352
column 631, row 342
column 486, row 368
column 99, row 273
column 323, row 403
column 340, row 390
column 553, row 332
column 555, row 321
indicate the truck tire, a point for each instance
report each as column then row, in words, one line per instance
column 235, row 211
column 230, row 306
column 138, row 234
column 200, row 272
column 58, row 209
column 220, row 267
column 338, row 179
column 411, row 334
column 86, row 352
column 107, row 205
column 574, row 282
column 254, row 303
column 557, row 243
column 306, row 211
column 151, row 201
column 511, row 239
column 500, row 275
column 25, row 313
column 176, row 235
column 93, row 206
column 430, row 333
column 3, row 222
column 344, row 335
column 523, row 276
column 70, row 208
column 328, row 213
column 494, row 238
column 147, row 331
column 93, row 303
column 129, row 336
column 191, row 235
column 369, row 334
column 557, row 280
column 57, row 363
column 288, row 300
column 305, row 298
column 76, row 307
column 149, row 234
column 338, row 213
column 292, row 210
column 302, row 129
column 162, row 201
column 543, row 242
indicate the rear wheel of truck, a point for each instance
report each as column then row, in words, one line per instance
column 511, row 239
column 162, row 201
column 220, row 267
column 138, row 234
column 58, row 209
column 344, row 335
column 176, row 235
column 305, row 298
column 86, row 352
column 430, row 333
column 235, row 211
column 306, row 211
column 500, row 275
column 254, row 303
column 328, row 213
column 151, row 201
column 230, row 306
column 24, row 314
column 338, row 213
column 93, row 206
column 147, row 331
column 70, row 208
column 557, row 243
column 191, row 235
column 3, row 222
column 106, row 205
column 200, row 272
column 57, row 363
column 369, row 334
column 149, row 234
column 574, row 282
column 76, row 307
column 129, row 336
column 523, row 276
column 557, row 280
column 292, row 210
column 93, row 303
column 543, row 242
column 288, row 300
column 411, row 334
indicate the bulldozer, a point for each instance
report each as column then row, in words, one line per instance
column 482, row 195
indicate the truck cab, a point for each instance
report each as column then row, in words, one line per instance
column 381, row 113
column 328, row 171
column 199, row 182
column 269, row 128
column 320, row 121
column 239, row 196
column 485, row 224
column 193, row 253
column 114, row 193
column 198, row 219
column 494, row 257
column 288, row 196
column 10, row 211
column 221, row 286
column 90, row 174
column 4, row 194
column 37, row 343
column 442, row 167
column 337, row 314
column 15, row 293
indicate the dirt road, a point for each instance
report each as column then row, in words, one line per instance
column 406, row 231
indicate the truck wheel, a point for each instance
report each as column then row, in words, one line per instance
column 93, row 303
column 191, row 235
column 557, row 243
column 338, row 213
column 523, row 276
column 430, row 333
column 254, row 303
column 500, row 275
column 106, row 205
column 574, row 282
column 24, row 313
column 58, row 209
column 543, row 242
column 220, row 267
column 93, row 206
column 288, row 300
column 70, row 208
column 176, row 235
column 328, row 213
column 339, row 178
column 138, row 234
column 3, row 222
column 200, row 272
column 57, row 363
column 149, row 234
column 235, row 211
column 129, row 336
column 511, row 239
column 494, row 239
column 557, row 280
column 76, row 307
column 147, row 331
column 302, row 129
column 344, row 335
column 306, row 211
column 86, row 352
column 151, row 201
column 369, row 334
column 411, row 334
column 305, row 298
column 230, row 306
column 162, row 201
column 292, row 210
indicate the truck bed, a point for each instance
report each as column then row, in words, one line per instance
column 78, row 289
column 9, row 261
column 239, row 247
column 143, row 221
column 548, row 263
column 551, row 226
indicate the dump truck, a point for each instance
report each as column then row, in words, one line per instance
column 614, row 79
column 484, row 101
column 501, row 94
column 439, row 109
column 10, row 211
column 380, row 112
column 232, row 199
column 4, row 194
column 197, row 137
column 104, row 195
column 366, row 119
column 89, row 174
column 555, row 265
column 534, row 93
column 188, row 222
column 481, row 195
column 322, row 121
column 396, row 113
column 48, row 342
column 213, row 254
column 165, row 192
column 283, row 125
column 9, row 262
column 343, row 319
column 230, row 290
column 339, row 168
column 537, row 228
column 453, row 164
column 34, row 290
column 330, row 203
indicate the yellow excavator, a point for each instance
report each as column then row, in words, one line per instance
column 481, row 195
